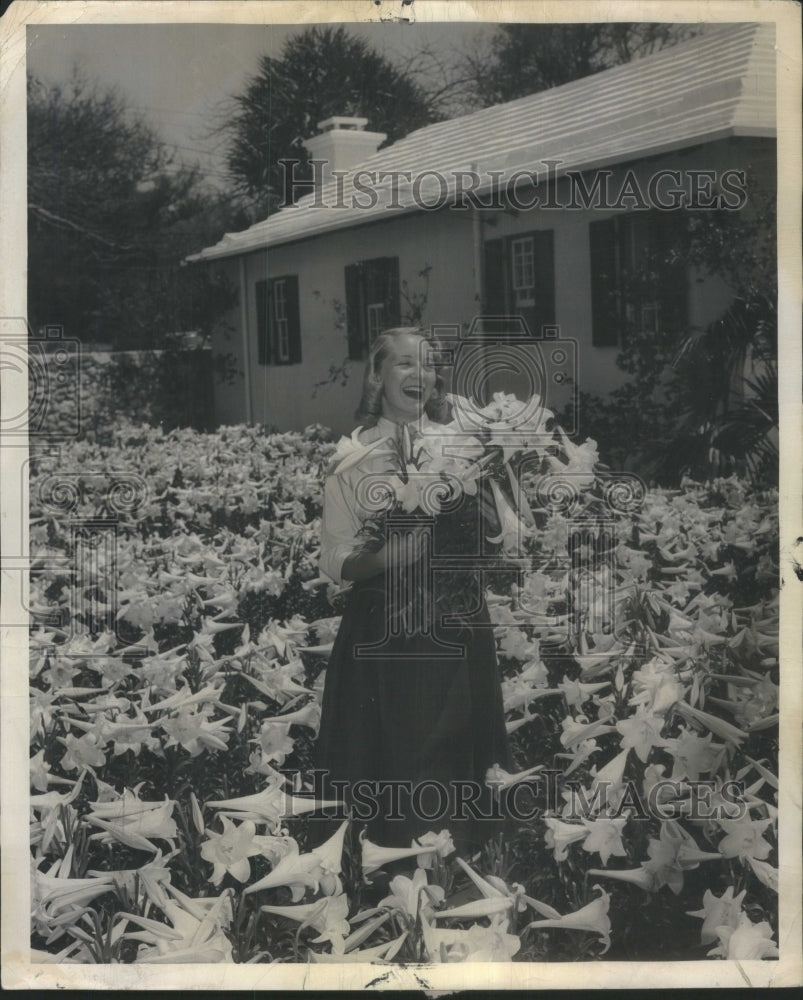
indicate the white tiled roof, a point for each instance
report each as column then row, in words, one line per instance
column 719, row 84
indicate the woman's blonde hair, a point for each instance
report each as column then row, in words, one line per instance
column 370, row 408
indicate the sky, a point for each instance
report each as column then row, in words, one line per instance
column 180, row 75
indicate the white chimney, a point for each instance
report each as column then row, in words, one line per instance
column 343, row 144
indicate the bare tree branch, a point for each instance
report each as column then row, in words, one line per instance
column 59, row 220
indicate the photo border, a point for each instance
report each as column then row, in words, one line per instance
column 16, row 970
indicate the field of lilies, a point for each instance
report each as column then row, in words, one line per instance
column 178, row 650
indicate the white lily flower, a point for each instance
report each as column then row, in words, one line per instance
column 327, row 916
column 49, row 801
column 497, row 777
column 513, row 530
column 380, row 954
column 611, row 776
column 476, row 944
column 272, row 804
column 433, row 845
column 406, row 895
column 54, row 894
column 466, row 414
column 230, row 850
column 318, row 868
column 350, row 451
column 153, row 877
column 593, row 918
column 635, row 876
column 722, row 728
column 605, row 837
column 475, row 909
column 374, row 856
column 746, row 942
column 719, row 911
column 134, row 822
column 197, row 932
column 765, row 873
column 185, row 697
column 560, row 835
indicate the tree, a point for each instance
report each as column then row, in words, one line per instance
column 111, row 217
column 728, row 416
column 320, row 72
column 523, row 59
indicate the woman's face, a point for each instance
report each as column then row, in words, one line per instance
column 408, row 379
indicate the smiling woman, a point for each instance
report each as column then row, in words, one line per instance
column 401, row 380
column 407, row 380
column 412, row 706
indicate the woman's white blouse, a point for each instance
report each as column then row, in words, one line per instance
column 343, row 514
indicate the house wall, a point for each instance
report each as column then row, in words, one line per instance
column 227, row 351
column 284, row 395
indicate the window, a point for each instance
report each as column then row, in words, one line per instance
column 278, row 327
column 523, row 271
column 376, row 321
column 520, row 278
column 372, row 302
column 635, row 283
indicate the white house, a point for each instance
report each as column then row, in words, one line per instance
column 538, row 208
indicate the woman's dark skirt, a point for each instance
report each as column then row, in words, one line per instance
column 411, row 725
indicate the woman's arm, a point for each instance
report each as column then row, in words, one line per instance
column 344, row 556
column 362, row 564
column 339, row 529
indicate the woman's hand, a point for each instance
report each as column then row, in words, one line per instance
column 363, row 565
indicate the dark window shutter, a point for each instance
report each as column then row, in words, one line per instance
column 355, row 312
column 604, row 317
column 544, row 257
column 263, row 322
column 293, row 318
column 495, row 278
column 389, row 270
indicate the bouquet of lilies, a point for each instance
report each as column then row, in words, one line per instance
column 463, row 479
column 478, row 456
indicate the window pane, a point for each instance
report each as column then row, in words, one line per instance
column 282, row 340
column 376, row 320
column 372, row 301
column 280, row 300
column 523, row 265
column 650, row 317
column 638, row 284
